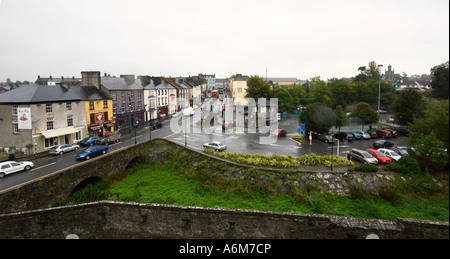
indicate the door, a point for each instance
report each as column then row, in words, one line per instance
column 7, row 168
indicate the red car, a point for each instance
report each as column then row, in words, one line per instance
column 382, row 158
column 384, row 134
column 280, row 133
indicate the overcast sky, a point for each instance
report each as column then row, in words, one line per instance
column 293, row 38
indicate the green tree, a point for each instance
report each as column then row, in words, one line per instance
column 320, row 90
column 341, row 118
column 298, row 93
column 342, row 91
column 408, row 106
column 285, row 100
column 366, row 114
column 318, row 117
column 440, row 83
column 258, row 88
column 430, row 135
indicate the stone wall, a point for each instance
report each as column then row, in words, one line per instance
column 113, row 220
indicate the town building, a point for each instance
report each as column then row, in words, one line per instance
column 34, row 118
column 238, row 85
column 283, row 81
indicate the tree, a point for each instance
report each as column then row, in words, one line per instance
column 285, row 100
column 440, row 83
column 430, row 135
column 366, row 114
column 408, row 106
column 341, row 118
column 320, row 90
column 318, row 117
column 342, row 91
column 257, row 88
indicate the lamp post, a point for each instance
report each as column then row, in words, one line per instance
column 135, row 129
column 379, row 95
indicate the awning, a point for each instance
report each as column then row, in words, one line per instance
column 59, row 132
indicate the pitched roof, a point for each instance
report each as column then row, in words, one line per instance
column 26, row 94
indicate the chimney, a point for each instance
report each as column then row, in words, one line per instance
column 90, row 78
column 130, row 78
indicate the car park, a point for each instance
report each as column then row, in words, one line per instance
column 218, row 146
column 61, row 149
column 11, row 167
column 399, row 150
column 363, row 156
column 384, row 134
column 382, row 158
column 325, row 138
column 343, row 136
column 357, row 136
column 382, row 144
column 89, row 141
column 390, row 153
column 402, row 131
column 372, row 133
column 280, row 133
column 364, row 135
column 91, row 152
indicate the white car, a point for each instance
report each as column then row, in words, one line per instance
column 61, row 149
column 11, row 167
column 216, row 146
column 365, row 135
column 390, row 153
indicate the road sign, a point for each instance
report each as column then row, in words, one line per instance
column 284, row 114
column 279, row 116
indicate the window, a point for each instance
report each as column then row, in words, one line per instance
column 16, row 127
column 92, row 118
column 123, row 96
column 114, row 96
column 51, row 142
column 50, row 123
column 78, row 135
column 106, row 116
column 70, row 121
column 49, row 108
column 91, row 105
column 68, row 106
column 105, row 104
column 114, row 108
column 14, row 109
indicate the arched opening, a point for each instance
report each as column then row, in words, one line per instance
column 86, row 182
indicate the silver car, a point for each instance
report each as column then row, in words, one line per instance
column 61, row 149
column 363, row 156
column 218, row 146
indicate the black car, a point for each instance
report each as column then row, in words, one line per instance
column 402, row 131
column 382, row 144
column 343, row 136
column 155, row 125
column 372, row 133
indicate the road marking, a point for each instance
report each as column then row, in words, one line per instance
column 43, row 166
column 137, row 137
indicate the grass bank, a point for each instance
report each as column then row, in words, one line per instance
column 418, row 198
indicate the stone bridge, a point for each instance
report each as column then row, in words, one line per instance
column 58, row 186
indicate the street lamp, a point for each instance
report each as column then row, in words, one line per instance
column 135, row 129
column 379, row 95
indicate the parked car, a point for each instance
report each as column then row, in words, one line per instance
column 364, row 135
column 91, row 152
column 218, row 146
column 390, row 153
column 394, row 133
column 343, row 136
column 325, row 138
column 398, row 150
column 11, row 167
column 382, row 144
column 357, row 136
column 402, row 131
column 110, row 139
column 382, row 158
column 61, row 149
column 372, row 133
column 363, row 156
column 384, row 134
column 280, row 133
column 89, row 141
column 155, row 124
